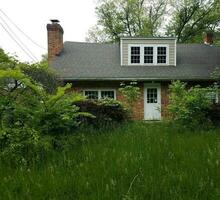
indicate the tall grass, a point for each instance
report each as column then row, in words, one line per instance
column 134, row 161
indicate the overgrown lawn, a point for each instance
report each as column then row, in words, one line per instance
column 134, row 161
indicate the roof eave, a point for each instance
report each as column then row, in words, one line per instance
column 148, row 38
column 137, row 79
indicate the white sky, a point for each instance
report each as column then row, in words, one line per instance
column 76, row 17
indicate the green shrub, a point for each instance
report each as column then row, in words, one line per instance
column 214, row 114
column 189, row 107
column 58, row 113
column 23, row 145
column 106, row 111
column 28, row 113
column 131, row 93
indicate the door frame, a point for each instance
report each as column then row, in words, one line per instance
column 152, row 85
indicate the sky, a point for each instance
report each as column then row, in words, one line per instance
column 31, row 16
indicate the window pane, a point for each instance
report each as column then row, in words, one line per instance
column 161, row 50
column 91, row 94
column 107, row 94
column 135, row 50
column 148, row 50
column 135, row 59
column 161, row 54
column 152, row 95
column 161, row 59
column 148, row 54
column 148, row 59
column 135, row 54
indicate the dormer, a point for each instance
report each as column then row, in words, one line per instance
column 159, row 51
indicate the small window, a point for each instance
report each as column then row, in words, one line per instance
column 99, row 94
column 107, row 94
column 152, row 95
column 135, row 55
column 148, row 55
column 92, row 94
column 162, row 55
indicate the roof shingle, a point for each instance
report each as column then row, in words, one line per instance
column 92, row 61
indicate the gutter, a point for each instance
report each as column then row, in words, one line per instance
column 136, row 79
column 148, row 38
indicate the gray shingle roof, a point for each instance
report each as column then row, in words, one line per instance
column 89, row 61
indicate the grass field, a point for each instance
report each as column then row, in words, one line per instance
column 134, row 161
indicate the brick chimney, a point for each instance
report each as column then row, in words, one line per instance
column 55, row 39
column 208, row 38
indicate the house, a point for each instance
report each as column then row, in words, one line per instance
column 97, row 70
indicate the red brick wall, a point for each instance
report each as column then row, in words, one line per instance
column 138, row 107
column 164, row 99
column 55, row 40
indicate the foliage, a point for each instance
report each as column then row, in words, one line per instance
column 43, row 75
column 28, row 113
column 106, row 112
column 58, row 113
column 18, row 100
column 189, row 107
column 118, row 18
column 185, row 19
column 134, row 161
column 131, row 93
column 7, row 61
column 214, row 114
column 191, row 18
column 23, row 145
column 39, row 72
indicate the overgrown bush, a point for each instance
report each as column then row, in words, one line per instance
column 106, row 111
column 131, row 93
column 23, row 145
column 214, row 114
column 58, row 114
column 189, row 107
column 29, row 113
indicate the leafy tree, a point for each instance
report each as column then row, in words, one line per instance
column 30, row 104
column 190, row 18
column 118, row 18
column 184, row 19
column 29, row 113
column 39, row 72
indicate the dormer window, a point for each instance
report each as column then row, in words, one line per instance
column 141, row 51
column 162, row 55
column 135, row 54
column 148, row 54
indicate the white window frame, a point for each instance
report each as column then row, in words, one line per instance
column 162, row 55
column 154, row 54
column 141, row 54
column 100, row 92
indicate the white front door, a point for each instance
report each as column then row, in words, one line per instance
column 152, row 101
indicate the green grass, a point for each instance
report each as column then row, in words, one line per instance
column 134, row 161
